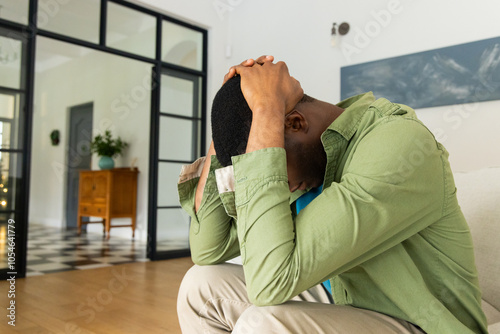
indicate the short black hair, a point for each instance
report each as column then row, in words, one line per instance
column 231, row 121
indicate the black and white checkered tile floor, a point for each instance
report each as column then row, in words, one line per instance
column 53, row 250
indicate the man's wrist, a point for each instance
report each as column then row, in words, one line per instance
column 266, row 132
column 269, row 109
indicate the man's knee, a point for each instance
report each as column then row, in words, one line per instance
column 194, row 279
column 200, row 283
column 257, row 319
column 202, row 286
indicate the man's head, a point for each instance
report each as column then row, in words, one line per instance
column 231, row 122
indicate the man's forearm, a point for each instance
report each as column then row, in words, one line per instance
column 213, row 236
column 266, row 130
column 203, row 178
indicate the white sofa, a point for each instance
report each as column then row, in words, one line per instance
column 478, row 193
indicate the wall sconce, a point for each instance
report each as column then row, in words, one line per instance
column 54, row 137
column 342, row 30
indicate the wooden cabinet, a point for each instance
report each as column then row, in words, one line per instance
column 108, row 194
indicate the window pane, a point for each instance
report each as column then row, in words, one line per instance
column 74, row 18
column 180, row 96
column 168, row 176
column 14, row 10
column 10, row 137
column 182, row 46
column 130, row 30
column 179, row 139
column 172, row 231
column 10, row 62
column 10, row 177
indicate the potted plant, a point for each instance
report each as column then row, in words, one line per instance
column 107, row 148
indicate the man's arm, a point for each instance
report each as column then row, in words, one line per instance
column 212, row 234
column 203, row 177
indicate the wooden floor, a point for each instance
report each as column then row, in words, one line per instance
column 130, row 298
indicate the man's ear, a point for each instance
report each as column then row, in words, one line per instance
column 295, row 122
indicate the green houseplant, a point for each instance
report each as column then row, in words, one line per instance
column 107, row 148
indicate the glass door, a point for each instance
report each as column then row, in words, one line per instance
column 12, row 96
column 180, row 141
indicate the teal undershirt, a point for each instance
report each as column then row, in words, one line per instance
column 300, row 204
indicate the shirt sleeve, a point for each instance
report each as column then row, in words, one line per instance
column 212, row 234
column 391, row 188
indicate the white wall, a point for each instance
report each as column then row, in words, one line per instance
column 298, row 33
column 120, row 91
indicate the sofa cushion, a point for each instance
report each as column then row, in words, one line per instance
column 478, row 194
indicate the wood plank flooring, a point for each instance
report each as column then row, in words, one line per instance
column 129, row 298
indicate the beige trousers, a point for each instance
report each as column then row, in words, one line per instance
column 213, row 299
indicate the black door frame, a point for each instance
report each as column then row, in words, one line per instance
column 198, row 147
column 28, row 34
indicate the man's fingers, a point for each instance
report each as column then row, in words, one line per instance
column 238, row 69
column 229, row 75
column 233, row 70
column 247, row 63
column 263, row 59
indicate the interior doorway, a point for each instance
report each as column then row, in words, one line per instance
column 78, row 157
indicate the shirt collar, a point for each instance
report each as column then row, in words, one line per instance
column 347, row 123
column 336, row 137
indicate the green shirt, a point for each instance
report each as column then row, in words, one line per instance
column 387, row 228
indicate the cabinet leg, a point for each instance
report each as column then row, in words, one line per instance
column 133, row 227
column 79, row 225
column 108, row 227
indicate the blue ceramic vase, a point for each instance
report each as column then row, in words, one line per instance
column 106, row 162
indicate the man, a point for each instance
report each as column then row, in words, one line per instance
column 385, row 228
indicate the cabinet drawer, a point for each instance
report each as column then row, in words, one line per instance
column 99, row 210
column 93, row 210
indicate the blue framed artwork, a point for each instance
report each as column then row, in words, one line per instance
column 464, row 73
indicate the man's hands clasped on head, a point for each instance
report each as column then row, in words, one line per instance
column 269, row 87
column 270, row 93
